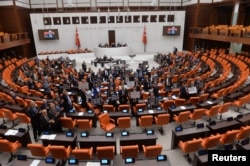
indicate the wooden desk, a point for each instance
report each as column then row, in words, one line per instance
column 60, row 140
column 223, row 126
column 233, row 96
column 22, row 137
column 200, row 160
column 245, row 120
column 95, row 141
column 179, row 109
column 188, row 134
column 29, row 162
column 85, row 115
column 148, row 112
column 208, row 104
column 138, row 139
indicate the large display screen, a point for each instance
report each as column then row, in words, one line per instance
column 171, row 30
column 48, row 34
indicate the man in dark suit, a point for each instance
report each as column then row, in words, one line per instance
column 34, row 114
column 47, row 123
column 183, row 91
column 66, row 102
column 123, row 95
column 146, row 83
column 84, row 98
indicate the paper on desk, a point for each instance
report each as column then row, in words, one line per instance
column 11, row 132
column 209, row 102
column 35, row 162
column 52, row 136
column 151, row 111
column 183, row 107
column 93, row 164
column 44, row 137
column 80, row 113
column 174, row 97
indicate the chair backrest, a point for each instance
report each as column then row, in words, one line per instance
column 104, row 119
column 152, row 151
column 124, row 107
column 129, row 151
column 214, row 110
column 124, row 122
column 225, row 107
column 83, row 154
column 211, row 141
column 5, row 145
column 146, row 120
column 203, row 97
column 38, row 150
column 108, row 107
column 191, row 146
column 179, row 102
column 58, row 152
column 183, row 116
column 244, row 133
column 194, row 100
column 197, row 114
column 8, row 114
column 167, row 104
column 162, row 119
column 67, row 122
column 23, row 118
column 229, row 137
column 84, row 124
column 105, row 152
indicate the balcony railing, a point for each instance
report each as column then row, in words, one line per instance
column 13, row 40
column 222, row 33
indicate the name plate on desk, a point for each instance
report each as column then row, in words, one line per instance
column 11, row 132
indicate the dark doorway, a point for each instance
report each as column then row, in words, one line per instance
column 112, row 38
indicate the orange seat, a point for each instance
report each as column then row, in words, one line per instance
column 162, row 119
column 83, row 154
column 182, row 117
column 106, row 122
column 228, row 137
column 84, row 124
column 95, row 110
column 68, row 122
column 203, row 97
column 109, row 108
column 60, row 152
column 240, row 102
column 179, row 102
column 7, row 146
column 166, row 104
column 105, row 152
column 197, row 114
column 139, row 106
column 190, row 146
column 145, row 121
column 152, row 151
column 145, row 95
column 9, row 115
column 124, row 107
column 21, row 102
column 224, row 108
column 244, row 133
column 129, row 151
column 214, row 110
column 23, row 118
column 175, row 92
column 194, row 100
column 38, row 150
column 124, row 122
column 211, row 141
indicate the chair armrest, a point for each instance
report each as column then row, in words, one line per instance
column 112, row 120
column 69, row 148
column 144, row 148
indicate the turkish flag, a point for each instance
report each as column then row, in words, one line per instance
column 78, row 43
column 144, row 37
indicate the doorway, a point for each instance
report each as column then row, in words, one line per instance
column 111, row 38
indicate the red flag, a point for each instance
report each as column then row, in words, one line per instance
column 144, row 37
column 78, row 44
